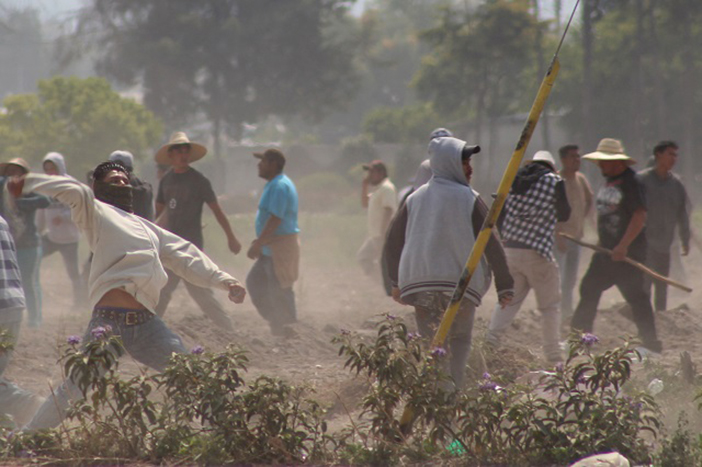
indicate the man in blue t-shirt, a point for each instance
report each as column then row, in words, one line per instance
column 276, row 248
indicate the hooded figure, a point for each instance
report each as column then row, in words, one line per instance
column 60, row 233
column 429, row 241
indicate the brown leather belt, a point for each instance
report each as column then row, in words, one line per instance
column 124, row 316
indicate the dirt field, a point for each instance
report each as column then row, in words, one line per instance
column 333, row 294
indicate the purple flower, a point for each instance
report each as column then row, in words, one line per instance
column 559, row 367
column 391, row 317
column 73, row 340
column 589, row 339
column 345, row 332
column 487, row 376
column 488, row 386
column 101, row 332
column 197, row 350
column 438, row 352
column 413, row 335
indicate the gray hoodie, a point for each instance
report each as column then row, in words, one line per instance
column 439, row 234
column 55, row 220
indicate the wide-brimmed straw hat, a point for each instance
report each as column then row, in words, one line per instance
column 197, row 151
column 18, row 161
column 545, row 157
column 609, row 149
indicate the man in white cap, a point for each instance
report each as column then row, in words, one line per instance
column 182, row 192
column 621, row 218
column 143, row 193
column 536, row 202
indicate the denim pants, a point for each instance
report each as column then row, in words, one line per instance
column 69, row 253
column 568, row 262
column 604, row 273
column 203, row 296
column 151, row 343
column 660, row 263
column 429, row 308
column 14, row 400
column 530, row 270
column 274, row 303
column 29, row 260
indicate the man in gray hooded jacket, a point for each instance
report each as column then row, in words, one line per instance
column 429, row 241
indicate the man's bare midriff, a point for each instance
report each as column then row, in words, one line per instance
column 118, row 298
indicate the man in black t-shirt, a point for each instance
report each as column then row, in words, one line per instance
column 182, row 192
column 621, row 217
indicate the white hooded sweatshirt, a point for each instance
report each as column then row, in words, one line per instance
column 55, row 220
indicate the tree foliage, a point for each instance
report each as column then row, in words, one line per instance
column 84, row 119
column 230, row 60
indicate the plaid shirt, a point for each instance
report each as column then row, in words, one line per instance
column 530, row 218
column 11, row 293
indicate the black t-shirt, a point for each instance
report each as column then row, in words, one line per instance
column 183, row 195
column 143, row 203
column 617, row 201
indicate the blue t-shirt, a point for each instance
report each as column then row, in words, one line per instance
column 279, row 199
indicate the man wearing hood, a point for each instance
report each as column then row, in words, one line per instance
column 60, row 232
column 143, row 193
column 128, row 272
column 429, row 241
column 536, row 202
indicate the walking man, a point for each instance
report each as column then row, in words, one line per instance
column 128, row 271
column 61, row 233
column 182, row 193
column 27, row 240
column 580, row 197
column 536, row 202
column 14, row 401
column 426, row 254
column 621, row 217
column 667, row 205
column 379, row 196
column 276, row 248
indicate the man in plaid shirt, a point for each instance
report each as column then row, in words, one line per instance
column 536, row 202
column 14, row 401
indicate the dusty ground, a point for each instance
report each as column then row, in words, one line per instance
column 332, row 295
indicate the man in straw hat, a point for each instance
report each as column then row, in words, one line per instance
column 276, row 248
column 27, row 239
column 621, row 218
column 128, row 272
column 182, row 192
column 536, row 202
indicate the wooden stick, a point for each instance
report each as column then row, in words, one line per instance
column 636, row 264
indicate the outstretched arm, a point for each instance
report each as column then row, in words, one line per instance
column 190, row 263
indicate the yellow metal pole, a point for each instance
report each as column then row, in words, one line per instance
column 502, row 191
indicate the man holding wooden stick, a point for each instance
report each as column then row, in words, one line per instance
column 621, row 218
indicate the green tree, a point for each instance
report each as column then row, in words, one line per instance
column 231, row 61
column 84, row 119
column 409, row 124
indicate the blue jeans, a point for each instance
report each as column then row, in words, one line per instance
column 151, row 343
column 568, row 262
column 14, row 400
column 275, row 304
column 29, row 260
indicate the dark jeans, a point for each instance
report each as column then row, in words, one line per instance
column 660, row 263
column 275, row 304
column 602, row 274
column 203, row 296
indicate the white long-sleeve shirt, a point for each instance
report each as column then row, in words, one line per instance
column 129, row 253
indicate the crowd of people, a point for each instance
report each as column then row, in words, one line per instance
column 143, row 245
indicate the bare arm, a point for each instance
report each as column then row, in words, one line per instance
column 265, row 238
column 234, row 244
column 636, row 225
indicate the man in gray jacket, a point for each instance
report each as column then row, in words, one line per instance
column 667, row 205
column 429, row 241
